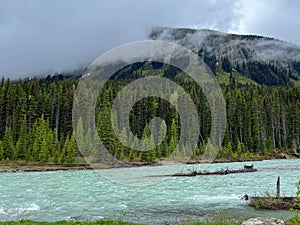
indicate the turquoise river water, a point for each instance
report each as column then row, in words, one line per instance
column 87, row 195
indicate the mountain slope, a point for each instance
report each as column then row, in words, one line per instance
column 262, row 59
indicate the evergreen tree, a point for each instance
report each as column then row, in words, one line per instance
column 44, row 151
column 1, row 151
column 22, row 143
column 57, row 148
column 71, row 150
column 8, row 145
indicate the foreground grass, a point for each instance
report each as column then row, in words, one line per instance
column 100, row 222
column 201, row 223
column 293, row 221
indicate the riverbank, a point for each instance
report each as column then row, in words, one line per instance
column 272, row 156
column 21, row 166
column 14, row 167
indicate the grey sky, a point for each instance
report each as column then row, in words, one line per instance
column 45, row 36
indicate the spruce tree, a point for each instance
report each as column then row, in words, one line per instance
column 1, row 151
column 8, row 145
column 22, row 143
column 70, row 148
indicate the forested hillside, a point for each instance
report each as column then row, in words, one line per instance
column 36, row 118
column 259, row 76
column 263, row 60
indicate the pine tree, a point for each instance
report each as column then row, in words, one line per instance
column 131, row 155
column 63, row 158
column 1, row 151
column 57, row 148
column 238, row 149
column 173, row 138
column 44, row 151
column 22, row 143
column 71, row 150
column 145, row 155
column 8, row 145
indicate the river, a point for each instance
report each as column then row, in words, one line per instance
column 87, row 195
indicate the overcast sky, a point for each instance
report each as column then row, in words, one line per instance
column 46, row 36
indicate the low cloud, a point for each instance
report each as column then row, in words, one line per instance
column 54, row 36
column 40, row 37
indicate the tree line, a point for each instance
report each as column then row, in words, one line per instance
column 36, row 120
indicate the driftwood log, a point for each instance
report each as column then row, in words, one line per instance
column 247, row 169
column 207, row 173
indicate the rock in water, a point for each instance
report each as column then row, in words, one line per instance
column 263, row 221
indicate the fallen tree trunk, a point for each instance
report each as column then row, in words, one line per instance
column 207, row 173
column 219, row 172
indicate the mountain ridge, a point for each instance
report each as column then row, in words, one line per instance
column 265, row 60
column 182, row 35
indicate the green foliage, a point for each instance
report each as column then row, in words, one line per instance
column 33, row 115
column 296, row 219
column 298, row 194
column 8, row 145
column 69, row 151
column 293, row 221
column 22, row 143
column 1, row 151
column 36, row 116
column 213, row 223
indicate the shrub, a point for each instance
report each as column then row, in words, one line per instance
column 296, row 219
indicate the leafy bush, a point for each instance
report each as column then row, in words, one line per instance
column 298, row 196
column 296, row 219
column 293, row 221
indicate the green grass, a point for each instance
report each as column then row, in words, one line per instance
column 293, row 221
column 149, row 72
column 100, row 222
column 295, row 82
column 201, row 223
column 223, row 78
